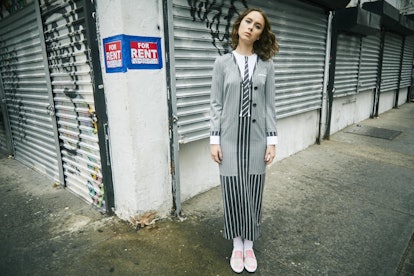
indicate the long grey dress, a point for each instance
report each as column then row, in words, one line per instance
column 243, row 142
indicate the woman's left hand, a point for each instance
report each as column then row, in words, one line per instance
column 270, row 154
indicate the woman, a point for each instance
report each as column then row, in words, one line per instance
column 243, row 130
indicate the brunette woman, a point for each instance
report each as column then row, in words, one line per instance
column 243, row 134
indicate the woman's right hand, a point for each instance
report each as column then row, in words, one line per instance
column 216, row 153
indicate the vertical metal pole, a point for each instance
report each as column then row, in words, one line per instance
column 331, row 79
column 100, row 103
column 51, row 106
column 377, row 90
column 172, row 107
column 325, row 75
column 359, row 65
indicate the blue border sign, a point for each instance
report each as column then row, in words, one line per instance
column 123, row 52
column 115, row 56
column 144, row 52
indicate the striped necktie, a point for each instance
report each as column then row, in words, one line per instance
column 246, row 86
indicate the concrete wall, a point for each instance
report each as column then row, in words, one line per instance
column 198, row 172
column 402, row 98
column 364, row 104
column 351, row 109
column 137, row 113
column 296, row 133
column 386, row 101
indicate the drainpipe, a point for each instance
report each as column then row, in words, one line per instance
column 172, row 110
column 325, row 76
column 397, row 95
column 331, row 77
column 377, row 90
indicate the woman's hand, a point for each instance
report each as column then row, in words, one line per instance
column 216, row 154
column 270, row 154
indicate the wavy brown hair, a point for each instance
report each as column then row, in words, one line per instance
column 266, row 47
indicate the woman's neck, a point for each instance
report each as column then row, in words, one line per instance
column 245, row 50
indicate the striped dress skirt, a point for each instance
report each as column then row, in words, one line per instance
column 242, row 193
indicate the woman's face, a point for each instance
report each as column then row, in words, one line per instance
column 251, row 27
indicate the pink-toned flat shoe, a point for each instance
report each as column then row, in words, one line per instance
column 250, row 262
column 236, row 261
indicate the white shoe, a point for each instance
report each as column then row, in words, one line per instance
column 236, row 261
column 250, row 262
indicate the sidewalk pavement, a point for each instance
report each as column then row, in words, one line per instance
column 345, row 207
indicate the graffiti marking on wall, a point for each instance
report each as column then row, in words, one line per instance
column 72, row 86
column 8, row 7
column 9, row 73
column 218, row 18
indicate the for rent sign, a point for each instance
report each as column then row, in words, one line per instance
column 114, row 54
column 145, row 52
column 123, row 52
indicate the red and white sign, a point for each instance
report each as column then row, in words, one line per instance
column 113, row 54
column 144, row 52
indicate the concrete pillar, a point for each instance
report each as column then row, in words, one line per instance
column 137, row 113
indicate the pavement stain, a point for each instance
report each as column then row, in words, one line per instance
column 179, row 247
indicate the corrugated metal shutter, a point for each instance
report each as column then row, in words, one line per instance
column 407, row 64
column 70, row 71
column 347, row 65
column 299, row 67
column 201, row 33
column 369, row 62
column 391, row 62
column 25, row 89
column 194, row 58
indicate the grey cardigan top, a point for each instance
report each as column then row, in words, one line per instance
column 225, row 104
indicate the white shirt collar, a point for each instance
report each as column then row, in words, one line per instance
column 240, row 62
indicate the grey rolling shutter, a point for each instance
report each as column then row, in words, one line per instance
column 391, row 62
column 347, row 64
column 194, row 58
column 369, row 62
column 25, row 89
column 407, row 64
column 70, row 71
column 299, row 67
column 201, row 33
